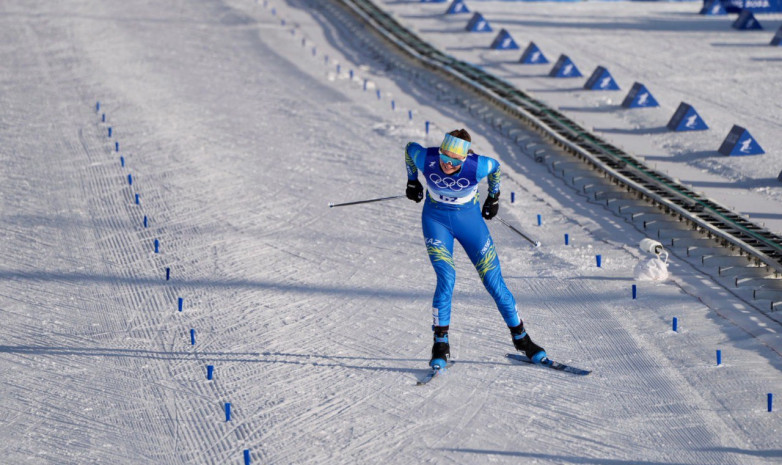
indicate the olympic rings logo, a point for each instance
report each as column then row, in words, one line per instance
column 449, row 183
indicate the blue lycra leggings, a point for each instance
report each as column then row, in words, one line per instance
column 442, row 224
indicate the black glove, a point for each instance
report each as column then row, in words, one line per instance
column 415, row 191
column 491, row 205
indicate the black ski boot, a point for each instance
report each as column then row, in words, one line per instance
column 441, row 350
column 522, row 341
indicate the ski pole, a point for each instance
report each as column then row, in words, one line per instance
column 535, row 243
column 332, row 204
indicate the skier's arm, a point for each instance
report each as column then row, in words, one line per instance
column 490, row 168
column 414, row 159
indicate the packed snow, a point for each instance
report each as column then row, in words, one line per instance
column 237, row 131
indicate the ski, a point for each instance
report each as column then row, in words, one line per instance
column 433, row 373
column 550, row 364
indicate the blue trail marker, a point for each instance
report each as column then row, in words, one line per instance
column 410, row 114
column 157, row 246
column 564, row 68
column 639, row 97
column 635, row 292
column 210, row 370
column 168, row 276
column 457, row 7
column 192, row 337
column 540, row 220
column 686, row 119
column 146, row 222
column 109, row 131
column 393, row 105
column 227, row 411
column 427, row 127
column 719, row 357
column 103, row 117
column 122, row 161
column 740, row 142
column 746, row 22
column 97, row 107
column 512, row 197
column 532, row 55
column 116, row 146
column 599, row 260
column 247, row 457
column 675, row 324
column 601, row 79
column 130, row 178
column 770, row 402
column 478, row 24
column 567, row 239
column 138, row 199
column 180, row 303
column 504, row 41
column 378, row 94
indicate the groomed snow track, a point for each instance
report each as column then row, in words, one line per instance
column 662, row 191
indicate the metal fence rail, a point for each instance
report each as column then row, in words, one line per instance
column 621, row 167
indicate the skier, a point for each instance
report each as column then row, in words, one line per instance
column 451, row 211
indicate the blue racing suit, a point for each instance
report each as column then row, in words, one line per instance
column 451, row 211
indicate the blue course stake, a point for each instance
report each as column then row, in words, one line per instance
column 247, row 457
column 351, row 74
column 675, row 324
column 180, row 303
column 116, row 146
column 109, row 131
column 512, row 197
column 599, row 260
column 210, row 369
column 227, row 411
column 138, row 199
column 770, row 402
column 365, row 84
column 103, row 117
column 192, row 337
column 540, row 220
column 122, row 161
column 97, row 106
column 168, row 275
column 157, row 246
column 567, row 239
column 130, row 179
column 146, row 223
column 719, row 357
column 410, row 114
column 427, row 127
column 378, row 94
column 393, row 105
column 635, row 292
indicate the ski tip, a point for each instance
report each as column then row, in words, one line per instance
column 331, row 204
column 537, row 243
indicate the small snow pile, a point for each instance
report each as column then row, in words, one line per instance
column 654, row 268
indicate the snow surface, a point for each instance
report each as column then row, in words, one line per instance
column 237, row 133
